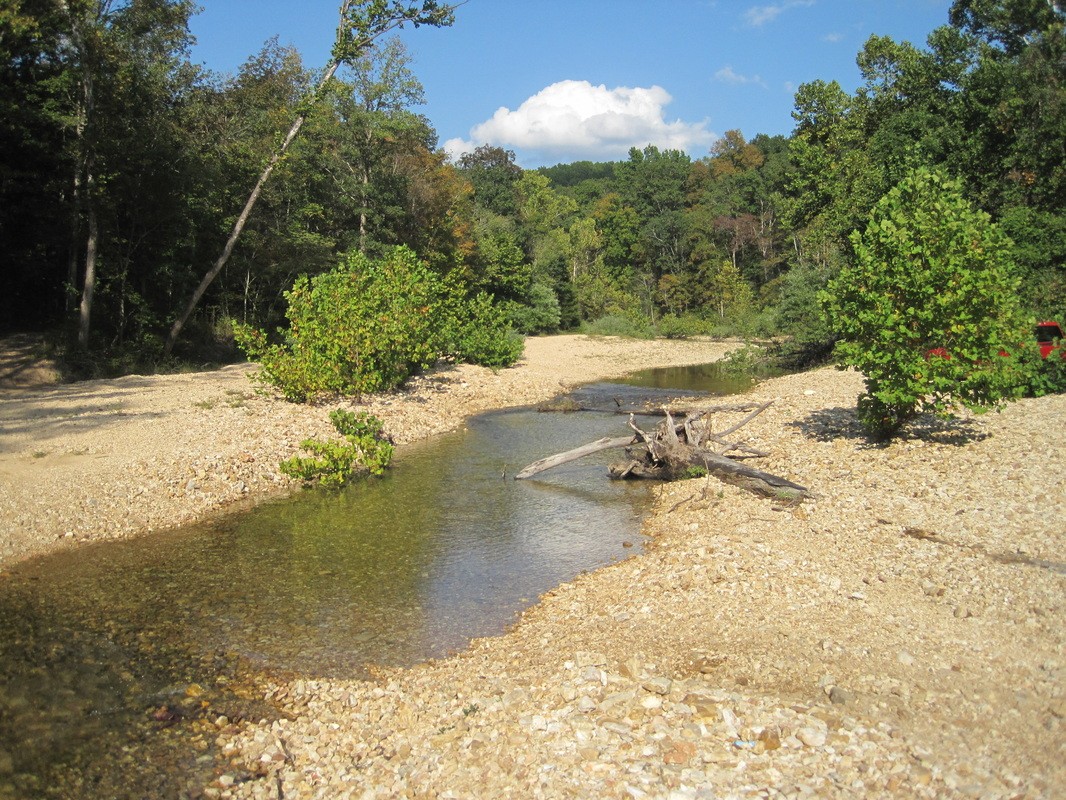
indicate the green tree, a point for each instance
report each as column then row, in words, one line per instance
column 361, row 23
column 927, row 307
column 494, row 175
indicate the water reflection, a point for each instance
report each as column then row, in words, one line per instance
column 115, row 653
column 117, row 660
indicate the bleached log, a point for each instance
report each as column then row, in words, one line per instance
column 597, row 446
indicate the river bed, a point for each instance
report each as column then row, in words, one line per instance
column 119, row 661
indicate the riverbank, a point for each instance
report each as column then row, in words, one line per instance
column 115, row 458
column 899, row 636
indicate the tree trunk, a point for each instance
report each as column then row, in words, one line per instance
column 85, row 309
column 675, row 449
column 543, row 464
column 238, row 226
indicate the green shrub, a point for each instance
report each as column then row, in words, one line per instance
column 927, row 306
column 744, row 360
column 482, row 335
column 1044, row 375
column 681, row 326
column 368, row 325
column 542, row 315
column 365, row 449
column 631, row 326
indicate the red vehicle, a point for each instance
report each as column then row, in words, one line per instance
column 1048, row 336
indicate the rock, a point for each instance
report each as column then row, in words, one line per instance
column 708, row 664
column 658, row 685
column 675, row 752
column 812, row 736
column 768, row 739
column 585, row 659
column 838, row 696
column 931, row 589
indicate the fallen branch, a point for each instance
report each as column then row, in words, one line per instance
column 573, row 455
column 676, row 450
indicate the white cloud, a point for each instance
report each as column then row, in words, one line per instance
column 727, row 75
column 574, row 120
column 756, row 16
column 833, row 37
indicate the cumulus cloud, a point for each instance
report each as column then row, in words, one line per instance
column 574, row 120
column 757, row 16
column 727, row 75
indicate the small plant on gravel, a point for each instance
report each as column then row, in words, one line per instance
column 744, row 360
column 365, row 449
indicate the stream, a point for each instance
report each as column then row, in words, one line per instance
column 119, row 661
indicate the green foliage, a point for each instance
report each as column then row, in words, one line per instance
column 631, row 326
column 541, row 315
column 927, row 306
column 365, row 449
column 1043, row 375
column 364, row 326
column 798, row 314
column 744, row 361
column 682, row 326
column 368, row 325
column 482, row 334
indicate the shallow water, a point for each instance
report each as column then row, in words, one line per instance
column 117, row 659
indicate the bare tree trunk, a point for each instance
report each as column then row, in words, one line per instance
column 75, row 242
column 362, row 210
column 85, row 309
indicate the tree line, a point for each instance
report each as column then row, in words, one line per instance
column 125, row 167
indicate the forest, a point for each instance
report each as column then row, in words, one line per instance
column 125, row 167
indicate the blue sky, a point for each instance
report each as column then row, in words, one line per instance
column 565, row 80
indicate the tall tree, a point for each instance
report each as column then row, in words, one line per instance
column 494, row 175
column 115, row 50
column 361, row 23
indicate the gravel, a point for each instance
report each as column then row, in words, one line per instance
column 900, row 635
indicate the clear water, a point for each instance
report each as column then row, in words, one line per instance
column 116, row 660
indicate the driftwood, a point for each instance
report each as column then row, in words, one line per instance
column 676, row 449
column 597, row 446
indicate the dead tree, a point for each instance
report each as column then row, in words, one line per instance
column 683, row 449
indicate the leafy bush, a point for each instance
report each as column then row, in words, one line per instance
column 365, row 449
column 483, row 336
column 542, row 315
column 681, row 326
column 368, row 325
column 744, row 360
column 798, row 314
column 632, row 326
column 1044, row 375
column 927, row 306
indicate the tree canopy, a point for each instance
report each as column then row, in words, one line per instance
column 124, row 168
